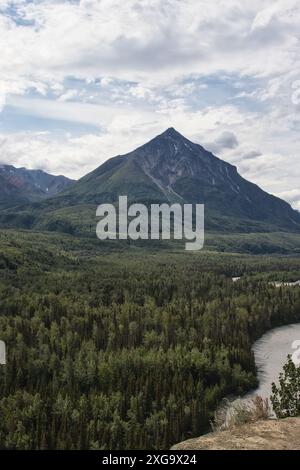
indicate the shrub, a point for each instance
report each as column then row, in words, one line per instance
column 238, row 412
column 286, row 397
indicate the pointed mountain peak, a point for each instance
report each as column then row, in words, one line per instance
column 170, row 137
column 171, row 132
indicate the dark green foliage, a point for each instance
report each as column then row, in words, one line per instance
column 126, row 349
column 286, row 397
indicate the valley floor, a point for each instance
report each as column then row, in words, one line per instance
column 128, row 348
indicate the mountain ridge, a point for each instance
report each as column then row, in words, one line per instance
column 22, row 185
column 171, row 168
column 167, row 169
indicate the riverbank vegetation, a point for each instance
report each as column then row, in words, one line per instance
column 286, row 396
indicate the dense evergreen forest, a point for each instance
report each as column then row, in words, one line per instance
column 127, row 349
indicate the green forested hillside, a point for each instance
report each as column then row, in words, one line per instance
column 127, row 349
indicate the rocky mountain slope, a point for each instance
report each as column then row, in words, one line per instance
column 19, row 185
column 169, row 168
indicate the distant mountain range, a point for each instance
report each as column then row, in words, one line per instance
column 19, row 185
column 169, row 168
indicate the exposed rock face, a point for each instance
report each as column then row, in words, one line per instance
column 167, row 169
column 171, row 168
column 261, row 435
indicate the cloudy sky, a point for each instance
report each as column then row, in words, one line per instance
column 81, row 81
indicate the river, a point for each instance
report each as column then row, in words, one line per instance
column 271, row 352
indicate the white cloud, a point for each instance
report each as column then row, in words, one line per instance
column 292, row 196
column 139, row 91
column 72, row 156
column 76, row 111
column 69, row 95
column 147, row 40
column 106, row 81
column 156, row 63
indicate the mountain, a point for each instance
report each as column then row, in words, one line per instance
column 169, row 168
column 19, row 185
